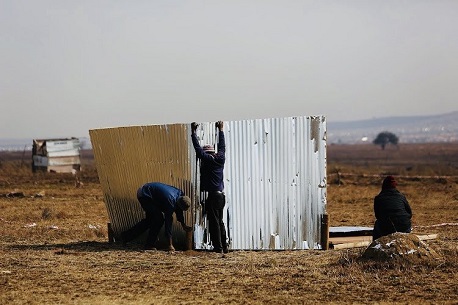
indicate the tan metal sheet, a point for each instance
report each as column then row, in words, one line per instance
column 128, row 157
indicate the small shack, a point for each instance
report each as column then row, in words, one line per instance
column 56, row 155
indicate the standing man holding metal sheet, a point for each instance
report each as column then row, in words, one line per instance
column 211, row 181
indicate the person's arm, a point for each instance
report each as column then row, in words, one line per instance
column 199, row 150
column 185, row 227
column 221, row 139
column 407, row 206
column 377, row 210
column 180, row 219
column 195, row 142
column 168, row 229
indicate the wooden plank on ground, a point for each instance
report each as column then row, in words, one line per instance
column 351, row 245
column 427, row 236
column 349, row 239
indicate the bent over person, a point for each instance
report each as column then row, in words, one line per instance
column 211, row 181
column 392, row 210
column 159, row 201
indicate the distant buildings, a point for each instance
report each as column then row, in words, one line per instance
column 415, row 129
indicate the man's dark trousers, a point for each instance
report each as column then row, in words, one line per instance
column 153, row 221
column 214, row 205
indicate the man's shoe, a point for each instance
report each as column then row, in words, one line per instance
column 225, row 250
column 124, row 239
column 149, row 247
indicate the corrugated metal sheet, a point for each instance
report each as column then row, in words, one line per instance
column 128, row 157
column 62, row 145
column 275, row 177
column 64, row 153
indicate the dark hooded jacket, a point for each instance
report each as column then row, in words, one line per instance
column 392, row 211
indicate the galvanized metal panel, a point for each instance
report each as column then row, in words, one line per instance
column 71, row 160
column 63, row 164
column 128, row 157
column 275, row 177
column 275, row 182
column 61, row 168
column 62, row 145
column 64, row 153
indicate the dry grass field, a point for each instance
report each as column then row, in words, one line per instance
column 54, row 246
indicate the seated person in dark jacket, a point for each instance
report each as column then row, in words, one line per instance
column 392, row 210
column 159, row 201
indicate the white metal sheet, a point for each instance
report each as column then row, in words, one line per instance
column 60, row 145
column 73, row 160
column 64, row 153
column 275, row 182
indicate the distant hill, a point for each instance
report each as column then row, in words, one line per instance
column 409, row 129
column 9, row 144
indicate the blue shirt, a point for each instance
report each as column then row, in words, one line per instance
column 212, row 165
column 164, row 197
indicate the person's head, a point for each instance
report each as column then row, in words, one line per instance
column 209, row 149
column 184, row 202
column 389, row 183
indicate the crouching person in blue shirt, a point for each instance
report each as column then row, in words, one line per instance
column 159, row 201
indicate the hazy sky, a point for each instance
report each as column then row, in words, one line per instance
column 70, row 66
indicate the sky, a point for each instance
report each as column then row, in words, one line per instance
column 70, row 66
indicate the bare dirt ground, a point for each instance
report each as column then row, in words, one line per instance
column 54, row 246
